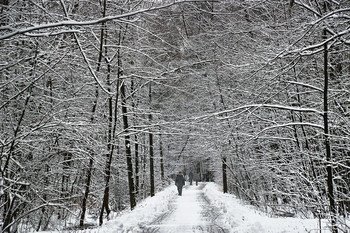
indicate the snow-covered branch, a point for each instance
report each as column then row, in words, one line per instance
column 306, row 50
column 287, row 125
column 275, row 106
column 306, row 85
column 45, row 34
column 68, row 23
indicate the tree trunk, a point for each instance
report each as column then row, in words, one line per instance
column 151, row 163
column 224, row 164
column 127, row 147
column 161, row 160
column 144, row 165
column 151, row 154
column 110, row 148
column 91, row 160
column 137, row 175
column 329, row 165
column 137, row 166
column 89, row 170
column 224, row 175
column 87, row 191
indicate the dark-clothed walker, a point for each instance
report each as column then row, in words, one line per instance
column 196, row 178
column 179, row 182
column 190, row 177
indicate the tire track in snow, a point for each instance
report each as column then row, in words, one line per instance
column 191, row 212
column 213, row 214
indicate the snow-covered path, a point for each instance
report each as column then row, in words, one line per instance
column 202, row 208
column 191, row 212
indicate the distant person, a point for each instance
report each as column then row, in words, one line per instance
column 190, row 177
column 196, row 178
column 179, row 182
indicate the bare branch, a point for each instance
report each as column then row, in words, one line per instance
column 68, row 23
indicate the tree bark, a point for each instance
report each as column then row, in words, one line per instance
column 92, row 119
column 151, row 153
column 151, row 164
column 223, row 160
column 224, row 175
column 331, row 196
column 161, row 160
column 110, row 149
column 127, row 147
column 137, row 166
column 87, row 191
column 137, row 175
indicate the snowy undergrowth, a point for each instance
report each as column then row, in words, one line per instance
column 133, row 220
column 244, row 218
column 143, row 214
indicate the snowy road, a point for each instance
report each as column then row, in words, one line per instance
column 191, row 212
column 202, row 208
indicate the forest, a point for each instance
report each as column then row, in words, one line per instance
column 103, row 101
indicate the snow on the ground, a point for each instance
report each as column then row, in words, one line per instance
column 186, row 209
column 142, row 215
column 247, row 219
column 185, row 214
